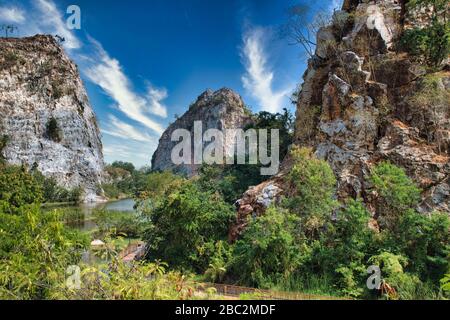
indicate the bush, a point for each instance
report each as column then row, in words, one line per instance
column 431, row 43
column 269, row 251
column 18, row 188
column 230, row 181
column 53, row 131
column 425, row 240
column 392, row 268
column 35, row 250
column 118, row 223
column 312, row 184
column 396, row 192
column 53, row 193
column 184, row 223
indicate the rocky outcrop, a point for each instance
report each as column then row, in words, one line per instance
column 223, row 109
column 46, row 114
column 363, row 101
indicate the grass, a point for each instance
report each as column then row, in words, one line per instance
column 309, row 284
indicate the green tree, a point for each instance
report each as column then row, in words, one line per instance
column 396, row 192
column 124, row 165
column 312, row 184
column 18, row 188
column 184, row 223
column 269, row 251
column 425, row 240
column 284, row 122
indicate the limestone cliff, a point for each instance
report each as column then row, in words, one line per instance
column 364, row 101
column 223, row 109
column 46, row 115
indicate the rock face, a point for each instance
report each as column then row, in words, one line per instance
column 46, row 114
column 363, row 102
column 223, row 109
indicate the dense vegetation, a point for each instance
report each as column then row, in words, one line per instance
column 39, row 254
column 124, row 180
column 309, row 241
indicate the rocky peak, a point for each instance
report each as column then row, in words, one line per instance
column 363, row 101
column 46, row 114
column 222, row 109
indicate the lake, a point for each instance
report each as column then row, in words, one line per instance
column 82, row 217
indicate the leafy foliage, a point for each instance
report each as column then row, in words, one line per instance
column 125, row 180
column 268, row 251
column 396, row 192
column 118, row 223
column 35, row 247
column 184, row 223
column 284, row 122
column 432, row 42
column 53, row 131
column 18, row 188
column 53, row 193
column 313, row 184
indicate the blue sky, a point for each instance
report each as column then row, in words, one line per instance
column 145, row 61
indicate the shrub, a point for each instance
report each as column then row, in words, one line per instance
column 184, row 222
column 269, row 251
column 53, row 131
column 394, row 276
column 312, row 190
column 18, row 188
column 118, row 223
column 230, row 181
column 53, row 193
column 396, row 193
column 425, row 240
column 431, row 43
column 445, row 283
column 35, row 250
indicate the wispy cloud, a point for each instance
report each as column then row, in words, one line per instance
column 108, row 74
column 46, row 17
column 119, row 129
column 155, row 97
column 258, row 80
column 12, row 14
column 132, row 152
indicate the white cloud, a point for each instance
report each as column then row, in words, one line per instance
column 12, row 14
column 258, row 80
column 132, row 152
column 108, row 74
column 154, row 97
column 120, row 129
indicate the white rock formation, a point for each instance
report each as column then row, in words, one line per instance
column 222, row 110
column 39, row 83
